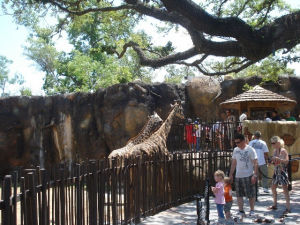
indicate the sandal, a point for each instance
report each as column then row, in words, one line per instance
column 267, row 221
column 258, row 220
column 286, row 211
column 273, row 207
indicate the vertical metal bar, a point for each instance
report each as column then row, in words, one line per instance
column 290, row 187
column 207, row 194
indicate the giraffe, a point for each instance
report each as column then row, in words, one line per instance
column 153, row 123
column 154, row 144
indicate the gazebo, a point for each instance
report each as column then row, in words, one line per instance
column 257, row 101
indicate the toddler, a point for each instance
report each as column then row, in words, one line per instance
column 228, row 198
column 218, row 191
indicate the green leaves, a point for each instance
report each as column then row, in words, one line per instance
column 17, row 79
column 269, row 69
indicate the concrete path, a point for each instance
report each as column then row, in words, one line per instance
column 186, row 213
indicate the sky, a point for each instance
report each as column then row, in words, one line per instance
column 13, row 39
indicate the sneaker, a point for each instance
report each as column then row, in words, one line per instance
column 266, row 190
column 252, row 213
column 221, row 221
column 230, row 222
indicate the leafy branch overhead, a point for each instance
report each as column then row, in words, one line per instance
column 239, row 32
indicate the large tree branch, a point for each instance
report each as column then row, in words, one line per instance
column 158, row 62
column 224, row 48
column 256, row 44
column 207, row 23
column 251, row 43
column 284, row 32
column 199, row 66
column 88, row 10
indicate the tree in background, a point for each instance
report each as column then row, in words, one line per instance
column 269, row 69
column 227, row 36
column 4, row 74
column 5, row 81
column 25, row 91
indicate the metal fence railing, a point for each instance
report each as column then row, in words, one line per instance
column 214, row 136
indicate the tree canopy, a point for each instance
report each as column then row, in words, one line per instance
column 238, row 33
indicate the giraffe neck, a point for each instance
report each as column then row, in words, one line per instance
column 165, row 128
column 149, row 128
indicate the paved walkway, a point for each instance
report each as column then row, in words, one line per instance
column 186, row 213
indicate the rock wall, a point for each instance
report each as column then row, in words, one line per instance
column 90, row 125
column 77, row 126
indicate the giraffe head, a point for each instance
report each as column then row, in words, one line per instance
column 177, row 107
column 154, row 122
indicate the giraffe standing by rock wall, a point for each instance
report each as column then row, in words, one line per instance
column 149, row 128
column 152, row 147
column 156, row 144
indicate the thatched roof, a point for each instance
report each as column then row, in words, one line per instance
column 259, row 94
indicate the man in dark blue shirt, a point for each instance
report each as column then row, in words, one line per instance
column 275, row 116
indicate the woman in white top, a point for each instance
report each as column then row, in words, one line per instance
column 267, row 117
column 280, row 160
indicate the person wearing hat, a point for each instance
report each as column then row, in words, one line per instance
column 262, row 152
column 288, row 116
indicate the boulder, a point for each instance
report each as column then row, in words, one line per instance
column 202, row 93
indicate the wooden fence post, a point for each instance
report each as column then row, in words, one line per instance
column 43, row 178
column 23, row 203
column 7, row 212
column 113, row 191
column 78, row 196
column 32, row 202
column 101, row 193
column 92, row 193
column 126, row 191
column 62, row 196
column 137, row 200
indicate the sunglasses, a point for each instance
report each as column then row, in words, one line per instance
column 273, row 143
column 237, row 142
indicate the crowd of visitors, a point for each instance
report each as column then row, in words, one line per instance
column 249, row 162
column 220, row 134
column 274, row 116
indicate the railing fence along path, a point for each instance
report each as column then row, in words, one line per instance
column 214, row 136
column 106, row 191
